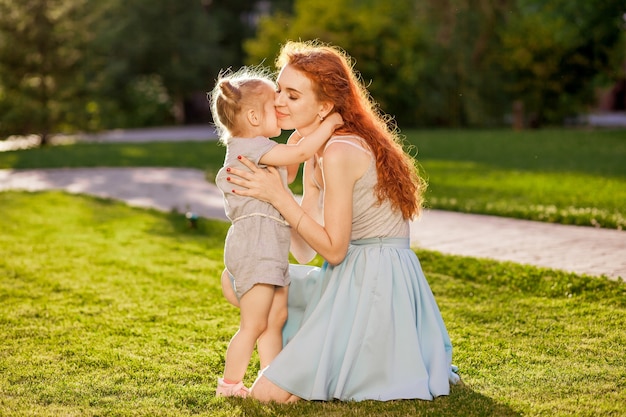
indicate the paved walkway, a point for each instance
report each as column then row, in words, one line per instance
column 152, row 134
column 569, row 248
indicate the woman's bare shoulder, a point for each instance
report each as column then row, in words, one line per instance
column 346, row 153
column 347, row 142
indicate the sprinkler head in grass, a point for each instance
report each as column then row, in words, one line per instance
column 192, row 219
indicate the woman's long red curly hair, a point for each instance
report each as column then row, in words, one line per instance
column 331, row 72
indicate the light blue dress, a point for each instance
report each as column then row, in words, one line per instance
column 368, row 328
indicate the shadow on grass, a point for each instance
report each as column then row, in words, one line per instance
column 213, row 230
column 461, row 401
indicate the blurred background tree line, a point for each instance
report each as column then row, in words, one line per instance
column 86, row 65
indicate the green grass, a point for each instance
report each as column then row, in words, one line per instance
column 560, row 176
column 208, row 156
column 108, row 310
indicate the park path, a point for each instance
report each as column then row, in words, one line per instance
column 584, row 250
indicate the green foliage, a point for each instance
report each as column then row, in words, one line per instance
column 89, row 65
column 423, row 63
column 107, row 310
column 461, row 85
column 157, row 55
column 157, row 60
column 41, row 78
column 389, row 43
column 462, row 62
column 554, row 49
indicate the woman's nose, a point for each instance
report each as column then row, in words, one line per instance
column 277, row 99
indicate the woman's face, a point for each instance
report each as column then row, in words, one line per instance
column 297, row 107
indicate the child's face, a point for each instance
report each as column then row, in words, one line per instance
column 270, row 122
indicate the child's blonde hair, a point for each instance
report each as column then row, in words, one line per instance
column 235, row 92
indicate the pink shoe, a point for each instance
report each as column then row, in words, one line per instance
column 230, row 390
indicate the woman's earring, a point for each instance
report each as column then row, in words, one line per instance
column 321, row 117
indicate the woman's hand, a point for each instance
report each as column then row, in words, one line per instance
column 262, row 184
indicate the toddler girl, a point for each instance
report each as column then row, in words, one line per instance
column 256, row 252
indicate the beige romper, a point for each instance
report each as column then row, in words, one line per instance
column 257, row 244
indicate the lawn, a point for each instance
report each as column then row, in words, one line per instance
column 562, row 176
column 108, row 310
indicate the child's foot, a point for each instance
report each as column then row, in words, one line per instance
column 230, row 390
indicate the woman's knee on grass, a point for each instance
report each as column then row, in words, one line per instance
column 266, row 391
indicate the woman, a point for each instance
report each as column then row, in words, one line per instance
column 365, row 325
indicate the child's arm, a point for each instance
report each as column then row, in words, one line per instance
column 285, row 154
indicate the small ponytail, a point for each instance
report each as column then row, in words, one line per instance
column 233, row 92
column 229, row 91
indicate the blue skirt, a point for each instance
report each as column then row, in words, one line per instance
column 368, row 328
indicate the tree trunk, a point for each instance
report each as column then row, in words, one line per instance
column 518, row 115
column 178, row 109
column 43, row 140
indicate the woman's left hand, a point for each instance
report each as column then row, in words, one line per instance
column 260, row 183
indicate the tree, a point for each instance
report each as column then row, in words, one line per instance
column 464, row 62
column 68, row 65
column 555, row 50
column 153, row 55
column 424, row 61
column 40, row 63
column 171, row 49
column 381, row 37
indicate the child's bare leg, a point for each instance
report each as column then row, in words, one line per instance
column 270, row 343
column 254, row 311
column 227, row 289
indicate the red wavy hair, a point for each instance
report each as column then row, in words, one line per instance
column 331, row 71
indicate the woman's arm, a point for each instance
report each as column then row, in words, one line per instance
column 310, row 203
column 286, row 154
column 341, row 170
column 342, row 167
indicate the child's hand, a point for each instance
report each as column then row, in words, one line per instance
column 335, row 120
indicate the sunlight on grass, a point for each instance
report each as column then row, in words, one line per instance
column 112, row 310
column 559, row 175
column 134, row 152
column 574, row 198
